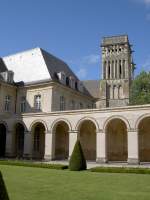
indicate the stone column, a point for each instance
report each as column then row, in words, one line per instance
column 133, row 147
column 122, row 69
column 103, row 70
column 114, row 69
column 27, row 153
column 101, row 147
column 10, row 150
column 118, row 72
column 110, row 70
column 106, row 70
column 72, row 140
column 49, row 155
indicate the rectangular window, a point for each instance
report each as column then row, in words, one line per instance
column 37, row 102
column 23, row 104
column 62, row 103
column 7, row 103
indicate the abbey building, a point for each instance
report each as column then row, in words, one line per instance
column 45, row 108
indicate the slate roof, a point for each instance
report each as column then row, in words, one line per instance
column 56, row 65
column 3, row 67
column 93, row 87
column 36, row 65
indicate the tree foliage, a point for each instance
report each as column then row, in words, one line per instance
column 77, row 160
column 140, row 89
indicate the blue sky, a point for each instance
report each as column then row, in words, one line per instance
column 72, row 29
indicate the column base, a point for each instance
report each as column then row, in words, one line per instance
column 133, row 161
column 9, row 155
column 101, row 160
column 48, row 157
column 27, row 156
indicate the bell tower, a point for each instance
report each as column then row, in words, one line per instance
column 117, row 71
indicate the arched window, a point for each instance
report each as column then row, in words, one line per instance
column 116, row 69
column 115, row 92
column 123, row 69
column 120, row 70
column 120, row 91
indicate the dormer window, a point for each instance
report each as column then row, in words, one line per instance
column 76, row 85
column 72, row 82
column 62, row 77
column 67, row 81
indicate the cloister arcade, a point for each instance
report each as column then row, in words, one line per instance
column 104, row 137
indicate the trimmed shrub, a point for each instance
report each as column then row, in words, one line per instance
column 31, row 164
column 3, row 190
column 77, row 161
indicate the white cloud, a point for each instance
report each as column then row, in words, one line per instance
column 82, row 73
column 146, row 2
column 91, row 59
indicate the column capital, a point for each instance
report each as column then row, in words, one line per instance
column 27, row 132
column 100, row 131
column 73, row 131
column 9, row 131
column 48, row 132
column 132, row 130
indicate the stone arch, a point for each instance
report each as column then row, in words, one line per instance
column 87, row 118
column 38, row 121
column 38, row 130
column 87, row 128
column 60, row 130
column 143, row 127
column 55, row 122
column 3, row 131
column 116, row 117
column 140, row 119
column 18, row 138
column 116, row 139
column 20, row 122
column 5, row 124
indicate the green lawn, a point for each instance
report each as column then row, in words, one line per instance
column 27, row 183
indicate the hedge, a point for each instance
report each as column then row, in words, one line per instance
column 121, row 170
column 31, row 164
column 3, row 190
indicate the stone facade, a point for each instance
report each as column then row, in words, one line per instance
column 117, row 71
column 43, row 119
